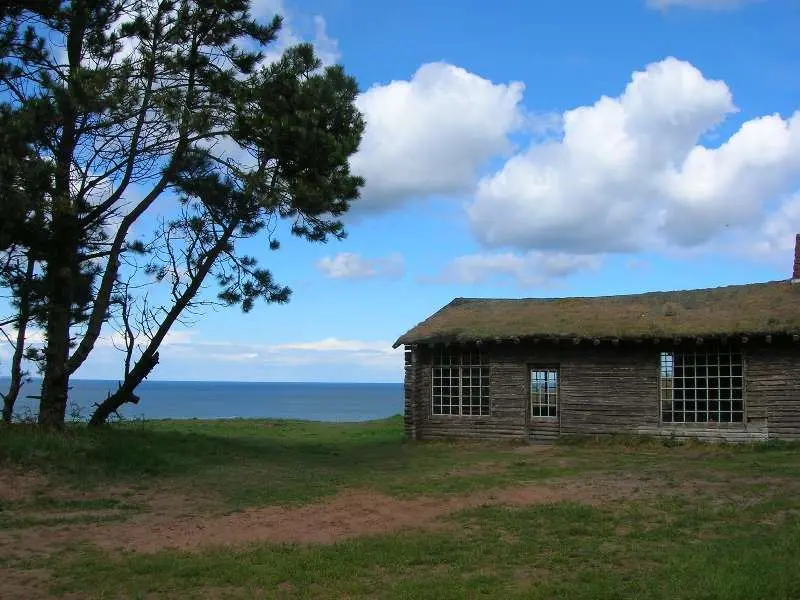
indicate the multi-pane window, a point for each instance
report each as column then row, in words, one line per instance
column 460, row 384
column 544, row 392
column 702, row 387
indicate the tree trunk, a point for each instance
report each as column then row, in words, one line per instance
column 124, row 393
column 64, row 247
column 55, row 384
column 19, row 349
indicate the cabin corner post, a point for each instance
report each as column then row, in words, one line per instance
column 411, row 392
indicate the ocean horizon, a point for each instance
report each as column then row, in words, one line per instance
column 313, row 401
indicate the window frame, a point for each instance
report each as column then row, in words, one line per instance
column 546, row 369
column 455, row 361
column 731, row 388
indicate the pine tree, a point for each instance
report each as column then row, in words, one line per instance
column 173, row 97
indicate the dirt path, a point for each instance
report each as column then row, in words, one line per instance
column 170, row 525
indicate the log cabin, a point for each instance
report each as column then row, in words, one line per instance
column 718, row 364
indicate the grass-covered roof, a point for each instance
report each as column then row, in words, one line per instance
column 759, row 308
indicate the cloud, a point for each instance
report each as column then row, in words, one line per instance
column 233, row 356
column 629, row 173
column 332, row 344
column 353, row 354
column 174, row 336
column 543, row 125
column 775, row 239
column 527, row 270
column 637, row 264
column 8, row 336
column 698, row 4
column 187, row 357
column 348, row 265
column 430, row 134
column 184, row 354
column 327, row 48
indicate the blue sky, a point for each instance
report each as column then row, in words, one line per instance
column 525, row 149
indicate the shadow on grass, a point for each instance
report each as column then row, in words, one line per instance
column 246, row 462
column 164, row 448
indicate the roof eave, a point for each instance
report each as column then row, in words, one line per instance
column 700, row 335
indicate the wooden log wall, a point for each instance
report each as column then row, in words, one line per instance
column 415, row 392
column 603, row 389
column 772, row 384
column 608, row 389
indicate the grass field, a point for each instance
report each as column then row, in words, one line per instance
column 279, row 509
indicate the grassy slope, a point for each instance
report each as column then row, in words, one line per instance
column 740, row 541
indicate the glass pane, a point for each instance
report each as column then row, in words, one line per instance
column 544, row 392
column 707, row 387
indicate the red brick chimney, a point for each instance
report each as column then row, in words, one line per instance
column 796, row 269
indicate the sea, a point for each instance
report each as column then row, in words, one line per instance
column 337, row 402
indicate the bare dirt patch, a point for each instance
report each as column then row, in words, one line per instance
column 58, row 526
column 15, row 486
column 482, row 468
column 22, row 487
column 738, row 491
column 348, row 514
column 24, row 585
column 594, row 490
column 172, row 521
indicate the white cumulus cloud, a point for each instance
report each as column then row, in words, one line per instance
column 431, row 134
column 630, row 172
column 349, row 265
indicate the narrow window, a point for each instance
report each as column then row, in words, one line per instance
column 702, row 387
column 544, row 392
column 409, row 354
column 460, row 384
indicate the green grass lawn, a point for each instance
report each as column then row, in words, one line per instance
column 625, row 518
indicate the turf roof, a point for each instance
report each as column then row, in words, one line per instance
column 758, row 308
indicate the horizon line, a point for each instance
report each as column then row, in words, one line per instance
column 225, row 381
